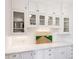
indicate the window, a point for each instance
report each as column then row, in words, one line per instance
column 50, row 20
column 66, row 24
column 57, row 21
column 18, row 22
column 33, row 20
column 42, row 20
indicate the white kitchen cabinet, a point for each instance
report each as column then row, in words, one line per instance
column 19, row 5
column 33, row 5
column 69, row 52
column 60, row 53
column 15, row 56
column 18, row 22
column 44, row 8
column 32, row 19
column 49, row 53
column 27, row 55
column 67, row 7
column 38, row 54
column 66, row 13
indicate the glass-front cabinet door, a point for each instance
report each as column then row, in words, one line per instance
column 57, row 21
column 50, row 20
column 18, row 22
column 32, row 19
column 41, row 20
column 66, row 24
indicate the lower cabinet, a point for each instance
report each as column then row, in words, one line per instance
column 65, row 52
column 27, row 55
column 60, row 53
column 49, row 53
column 38, row 54
column 14, row 56
column 69, row 53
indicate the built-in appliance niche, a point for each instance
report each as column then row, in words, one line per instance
column 18, row 21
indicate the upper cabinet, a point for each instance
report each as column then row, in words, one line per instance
column 19, row 5
column 35, row 13
column 32, row 5
column 49, row 7
column 67, row 15
column 44, row 12
column 18, row 22
column 67, row 7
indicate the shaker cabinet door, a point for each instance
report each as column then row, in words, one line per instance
column 67, row 7
column 26, row 55
column 69, row 52
column 49, row 53
column 33, row 5
column 60, row 53
column 38, row 54
column 19, row 5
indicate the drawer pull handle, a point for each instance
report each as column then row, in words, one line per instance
column 14, row 55
column 49, row 49
column 49, row 54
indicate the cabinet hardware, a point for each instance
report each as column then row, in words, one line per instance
column 49, row 49
column 14, row 55
column 49, row 54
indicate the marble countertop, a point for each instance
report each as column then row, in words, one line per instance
column 21, row 48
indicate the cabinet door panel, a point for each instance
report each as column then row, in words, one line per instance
column 33, row 5
column 49, row 53
column 49, row 6
column 67, row 7
column 18, row 4
column 69, row 52
column 26, row 55
column 38, row 54
column 60, row 53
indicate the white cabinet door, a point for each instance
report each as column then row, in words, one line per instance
column 33, row 5
column 38, row 54
column 49, row 6
column 67, row 7
column 19, row 5
column 15, row 56
column 60, row 53
column 69, row 52
column 26, row 55
column 49, row 53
